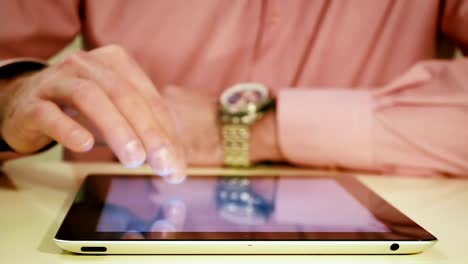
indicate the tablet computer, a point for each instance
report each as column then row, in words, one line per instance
column 142, row 214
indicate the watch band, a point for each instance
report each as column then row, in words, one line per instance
column 4, row 146
column 236, row 140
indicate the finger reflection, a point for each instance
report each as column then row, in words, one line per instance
column 133, row 235
column 175, row 212
column 162, row 229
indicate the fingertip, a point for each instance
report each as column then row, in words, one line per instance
column 163, row 172
column 133, row 155
column 163, row 161
column 177, row 177
column 83, row 141
column 87, row 146
column 133, row 164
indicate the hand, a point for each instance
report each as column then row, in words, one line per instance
column 108, row 88
column 199, row 129
column 196, row 121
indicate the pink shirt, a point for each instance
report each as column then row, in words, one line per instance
column 356, row 81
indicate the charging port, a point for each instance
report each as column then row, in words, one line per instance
column 93, row 249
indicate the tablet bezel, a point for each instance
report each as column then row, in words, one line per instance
column 401, row 226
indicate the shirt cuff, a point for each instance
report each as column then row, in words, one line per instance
column 12, row 67
column 326, row 127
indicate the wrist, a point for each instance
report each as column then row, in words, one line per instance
column 264, row 144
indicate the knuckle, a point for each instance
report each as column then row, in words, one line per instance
column 119, row 92
column 78, row 55
column 117, row 49
column 113, row 50
column 42, row 116
column 154, row 134
column 159, row 106
column 150, row 131
column 82, row 90
column 73, row 60
column 55, row 125
column 40, row 111
column 65, row 64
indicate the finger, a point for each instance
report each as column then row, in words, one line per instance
column 125, row 66
column 89, row 99
column 117, row 59
column 162, row 229
column 53, row 122
column 19, row 132
column 175, row 211
column 161, row 153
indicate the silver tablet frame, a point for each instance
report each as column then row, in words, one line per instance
column 246, row 247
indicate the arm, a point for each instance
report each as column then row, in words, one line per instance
column 416, row 124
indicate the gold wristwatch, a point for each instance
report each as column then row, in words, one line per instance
column 240, row 106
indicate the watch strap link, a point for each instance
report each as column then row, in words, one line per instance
column 236, row 139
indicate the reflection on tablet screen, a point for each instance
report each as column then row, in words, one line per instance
column 235, row 204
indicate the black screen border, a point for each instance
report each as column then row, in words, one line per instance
column 402, row 228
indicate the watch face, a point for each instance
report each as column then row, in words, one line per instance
column 244, row 98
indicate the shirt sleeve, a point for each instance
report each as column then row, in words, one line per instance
column 416, row 124
column 37, row 29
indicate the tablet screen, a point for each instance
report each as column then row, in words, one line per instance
column 256, row 207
